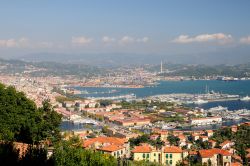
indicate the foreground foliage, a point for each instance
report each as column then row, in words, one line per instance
column 22, row 121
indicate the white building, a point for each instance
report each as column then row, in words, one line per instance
column 205, row 121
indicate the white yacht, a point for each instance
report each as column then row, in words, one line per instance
column 216, row 109
column 199, row 101
column 246, row 98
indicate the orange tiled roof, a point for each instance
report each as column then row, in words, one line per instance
column 236, row 157
column 212, row 141
column 182, row 137
column 248, row 150
column 142, row 149
column 172, row 149
column 225, row 142
column 206, row 153
column 209, row 131
column 192, row 152
column 111, row 140
column 111, row 148
column 203, row 136
column 236, row 164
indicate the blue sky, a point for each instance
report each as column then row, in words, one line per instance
column 134, row 26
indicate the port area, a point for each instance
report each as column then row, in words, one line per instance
column 194, row 98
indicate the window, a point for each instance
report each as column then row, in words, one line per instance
column 170, row 155
column 121, row 152
column 167, row 162
column 143, row 155
column 147, row 155
column 166, row 155
column 170, row 162
column 154, row 154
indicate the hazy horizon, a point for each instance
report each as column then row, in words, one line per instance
column 197, row 32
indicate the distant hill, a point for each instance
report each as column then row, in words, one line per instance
column 230, row 55
column 47, row 68
column 83, row 70
column 241, row 70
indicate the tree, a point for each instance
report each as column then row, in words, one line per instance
column 35, row 155
column 50, row 125
column 21, row 121
column 173, row 140
column 70, row 153
column 8, row 154
column 180, row 163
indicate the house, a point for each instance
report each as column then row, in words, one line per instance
column 117, row 147
column 215, row 156
column 154, row 136
column 81, row 105
column 205, row 121
column 209, row 133
column 132, row 121
column 234, row 128
column 203, row 138
column 144, row 152
column 172, row 155
column 236, row 164
column 182, row 141
column 166, row 156
column 212, row 143
column 69, row 104
column 236, row 158
column 195, row 136
column 226, row 144
column 114, row 150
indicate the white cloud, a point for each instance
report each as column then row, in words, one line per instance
column 107, row 39
column 129, row 39
column 245, row 40
column 15, row 43
column 218, row 37
column 81, row 40
column 143, row 40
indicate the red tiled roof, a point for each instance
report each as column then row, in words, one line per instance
column 209, row 131
column 111, row 148
column 248, row 150
column 182, row 137
column 203, row 136
column 236, row 157
column 192, row 152
column 225, row 142
column 212, row 141
column 172, row 149
column 236, row 164
column 207, row 153
column 142, row 149
column 111, row 140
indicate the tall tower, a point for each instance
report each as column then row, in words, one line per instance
column 161, row 67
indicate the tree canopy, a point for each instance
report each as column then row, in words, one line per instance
column 22, row 121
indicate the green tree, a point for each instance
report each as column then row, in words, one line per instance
column 21, row 121
column 8, row 154
column 173, row 140
column 70, row 153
